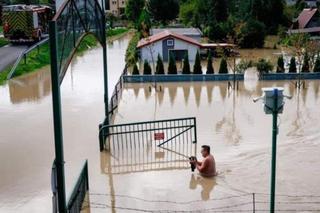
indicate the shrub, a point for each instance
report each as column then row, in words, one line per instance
column 159, row 67
column 210, row 69
column 293, row 66
column 316, row 67
column 146, row 68
column 135, row 70
column 264, row 66
column 223, row 66
column 305, row 65
column 280, row 65
column 197, row 69
column 172, row 69
column 186, row 65
column 243, row 65
column 131, row 52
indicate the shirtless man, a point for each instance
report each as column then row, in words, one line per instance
column 207, row 167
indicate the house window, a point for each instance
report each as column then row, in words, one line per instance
column 170, row 43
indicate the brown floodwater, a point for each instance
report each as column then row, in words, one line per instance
column 236, row 128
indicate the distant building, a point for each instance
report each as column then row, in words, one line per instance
column 165, row 43
column 116, row 7
column 307, row 22
column 193, row 33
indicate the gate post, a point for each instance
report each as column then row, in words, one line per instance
column 56, row 102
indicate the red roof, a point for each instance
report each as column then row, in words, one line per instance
column 164, row 35
column 305, row 16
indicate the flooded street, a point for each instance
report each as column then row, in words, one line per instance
column 236, row 128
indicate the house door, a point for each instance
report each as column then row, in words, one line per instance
column 178, row 54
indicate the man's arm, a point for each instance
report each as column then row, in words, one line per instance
column 202, row 166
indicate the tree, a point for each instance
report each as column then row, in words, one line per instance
column 305, row 65
column 186, row 65
column 252, row 34
column 135, row 70
column 144, row 23
column 146, row 68
column 159, row 66
column 316, row 67
column 293, row 66
column 223, row 66
column 163, row 11
column 172, row 68
column 133, row 9
column 197, row 69
column 280, row 65
column 210, row 69
column 221, row 10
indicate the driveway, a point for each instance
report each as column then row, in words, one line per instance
column 9, row 54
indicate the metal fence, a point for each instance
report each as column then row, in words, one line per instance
column 114, row 100
column 23, row 56
column 79, row 191
column 153, row 145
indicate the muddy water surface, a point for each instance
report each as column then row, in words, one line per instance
column 236, row 128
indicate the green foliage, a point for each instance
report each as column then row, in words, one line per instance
column 243, row 65
column 252, row 34
column 316, row 67
column 131, row 52
column 116, row 31
column 144, row 23
column 159, row 66
column 187, row 12
column 172, row 68
column 146, row 68
column 292, row 66
column 264, row 66
column 210, row 69
column 223, row 69
column 280, row 65
column 135, row 70
column 133, row 9
column 163, row 11
column 186, row 65
column 305, row 65
column 3, row 42
column 197, row 69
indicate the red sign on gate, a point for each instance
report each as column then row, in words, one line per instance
column 159, row 136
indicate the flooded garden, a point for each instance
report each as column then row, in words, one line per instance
column 237, row 130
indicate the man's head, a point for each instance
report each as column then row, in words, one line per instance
column 205, row 150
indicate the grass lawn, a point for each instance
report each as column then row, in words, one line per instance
column 116, row 31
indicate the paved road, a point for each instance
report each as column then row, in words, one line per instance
column 9, row 54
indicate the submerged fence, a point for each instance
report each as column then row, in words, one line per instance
column 244, row 202
column 114, row 100
column 79, row 191
column 152, row 145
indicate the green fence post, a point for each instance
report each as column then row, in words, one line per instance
column 56, row 102
column 105, row 70
column 274, row 149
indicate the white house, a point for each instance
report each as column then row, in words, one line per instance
column 166, row 43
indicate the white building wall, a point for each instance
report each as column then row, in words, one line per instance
column 192, row 49
column 154, row 49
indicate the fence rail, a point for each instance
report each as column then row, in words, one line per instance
column 23, row 56
column 114, row 101
column 79, row 191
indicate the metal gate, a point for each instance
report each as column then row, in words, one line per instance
column 152, row 145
